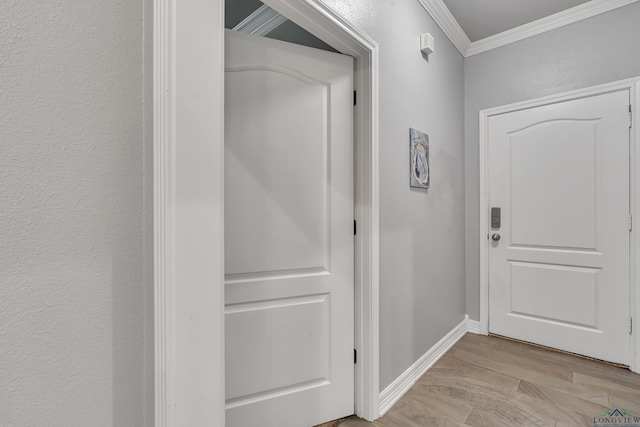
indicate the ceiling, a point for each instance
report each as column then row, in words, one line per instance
column 483, row 18
column 473, row 26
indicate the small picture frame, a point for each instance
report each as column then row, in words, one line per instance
column 419, row 172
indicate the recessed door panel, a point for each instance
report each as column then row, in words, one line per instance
column 554, row 196
column 259, row 359
column 555, row 293
column 281, row 134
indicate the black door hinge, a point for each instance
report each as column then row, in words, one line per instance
column 355, row 356
column 355, row 228
column 355, row 98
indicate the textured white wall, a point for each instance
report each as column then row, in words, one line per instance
column 421, row 232
column 71, row 213
column 597, row 50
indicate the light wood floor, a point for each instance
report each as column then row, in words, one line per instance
column 493, row 382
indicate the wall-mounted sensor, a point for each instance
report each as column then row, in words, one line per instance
column 426, row 43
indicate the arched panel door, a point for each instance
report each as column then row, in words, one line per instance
column 289, row 241
column 559, row 260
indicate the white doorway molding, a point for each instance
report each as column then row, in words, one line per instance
column 189, row 195
column 633, row 85
column 188, row 99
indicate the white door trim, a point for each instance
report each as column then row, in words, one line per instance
column 634, row 298
column 188, row 179
column 189, row 195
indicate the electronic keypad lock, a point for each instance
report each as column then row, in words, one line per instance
column 495, row 217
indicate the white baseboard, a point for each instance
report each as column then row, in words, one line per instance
column 473, row 326
column 390, row 395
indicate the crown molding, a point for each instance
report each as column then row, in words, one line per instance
column 557, row 20
column 261, row 22
column 445, row 20
column 443, row 17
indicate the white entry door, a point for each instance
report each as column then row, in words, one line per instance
column 559, row 273
column 288, row 234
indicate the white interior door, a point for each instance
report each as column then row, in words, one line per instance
column 559, row 275
column 288, row 234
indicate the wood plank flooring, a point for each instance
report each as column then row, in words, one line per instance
column 494, row 382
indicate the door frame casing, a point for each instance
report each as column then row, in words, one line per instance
column 633, row 85
column 189, row 204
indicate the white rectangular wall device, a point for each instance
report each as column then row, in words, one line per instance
column 426, row 43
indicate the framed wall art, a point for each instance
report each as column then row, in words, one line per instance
column 419, row 159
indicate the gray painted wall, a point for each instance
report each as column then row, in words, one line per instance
column 590, row 52
column 72, row 170
column 237, row 10
column 292, row 33
column 421, row 232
